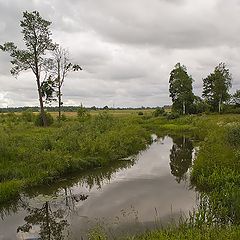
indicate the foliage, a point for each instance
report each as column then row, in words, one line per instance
column 180, row 88
column 158, row 112
column 184, row 232
column 233, row 134
column 140, row 113
column 57, row 69
column 236, row 98
column 83, row 113
column 216, row 87
column 36, row 36
column 28, row 115
column 63, row 117
column 39, row 120
column 173, row 116
column 216, row 169
column 230, row 108
column 199, row 106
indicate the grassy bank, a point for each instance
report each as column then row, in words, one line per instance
column 31, row 155
column 187, row 233
column 215, row 174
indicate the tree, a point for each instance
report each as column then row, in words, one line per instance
column 58, row 68
column 236, row 98
column 180, row 88
column 36, row 36
column 216, row 87
column 83, row 113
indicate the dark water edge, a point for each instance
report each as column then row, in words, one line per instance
column 127, row 197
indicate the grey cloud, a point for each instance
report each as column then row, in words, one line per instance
column 126, row 48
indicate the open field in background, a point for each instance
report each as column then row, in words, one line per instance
column 112, row 112
column 116, row 112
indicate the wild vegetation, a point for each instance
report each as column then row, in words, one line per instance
column 30, row 155
column 215, row 174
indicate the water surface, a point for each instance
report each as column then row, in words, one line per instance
column 126, row 197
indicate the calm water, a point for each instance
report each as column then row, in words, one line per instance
column 130, row 196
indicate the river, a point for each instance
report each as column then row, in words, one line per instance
column 148, row 191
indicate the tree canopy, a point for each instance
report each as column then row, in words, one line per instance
column 180, row 88
column 37, row 39
column 216, row 87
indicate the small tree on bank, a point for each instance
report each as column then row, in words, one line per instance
column 216, row 87
column 58, row 67
column 180, row 88
column 36, row 36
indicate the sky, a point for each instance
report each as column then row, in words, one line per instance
column 126, row 48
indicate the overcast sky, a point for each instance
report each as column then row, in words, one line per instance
column 127, row 48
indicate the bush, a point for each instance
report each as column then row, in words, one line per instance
column 173, row 116
column 231, row 109
column 28, row 116
column 39, row 120
column 83, row 114
column 140, row 113
column 12, row 117
column 233, row 135
column 158, row 112
column 63, row 117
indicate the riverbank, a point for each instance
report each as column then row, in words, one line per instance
column 215, row 174
column 31, row 155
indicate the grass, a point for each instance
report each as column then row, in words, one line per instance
column 31, row 155
column 215, row 174
column 187, row 233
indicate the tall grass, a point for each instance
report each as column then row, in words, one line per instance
column 31, row 155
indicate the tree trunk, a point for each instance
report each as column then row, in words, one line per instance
column 184, row 108
column 41, row 102
column 219, row 106
column 37, row 74
column 59, row 104
column 59, row 93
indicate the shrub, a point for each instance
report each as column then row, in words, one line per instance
column 83, row 114
column 233, row 134
column 39, row 120
column 140, row 113
column 28, row 116
column 231, row 109
column 173, row 116
column 158, row 112
column 63, row 117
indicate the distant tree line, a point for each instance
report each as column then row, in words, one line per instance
column 71, row 108
column 215, row 94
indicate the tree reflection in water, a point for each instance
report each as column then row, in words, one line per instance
column 181, row 156
column 50, row 220
column 52, row 224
